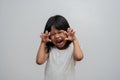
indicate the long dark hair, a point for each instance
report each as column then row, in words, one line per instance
column 60, row 23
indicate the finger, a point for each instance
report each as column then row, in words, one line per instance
column 66, row 38
column 68, row 29
column 48, row 40
column 71, row 30
column 46, row 32
column 49, row 34
column 41, row 35
column 65, row 32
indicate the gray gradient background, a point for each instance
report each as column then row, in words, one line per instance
column 97, row 26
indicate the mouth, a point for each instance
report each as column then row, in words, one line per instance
column 60, row 43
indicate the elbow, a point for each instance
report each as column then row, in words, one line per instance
column 79, row 58
column 39, row 62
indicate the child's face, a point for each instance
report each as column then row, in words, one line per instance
column 58, row 38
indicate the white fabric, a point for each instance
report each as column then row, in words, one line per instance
column 60, row 64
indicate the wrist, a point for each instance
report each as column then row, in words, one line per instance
column 43, row 42
column 74, row 39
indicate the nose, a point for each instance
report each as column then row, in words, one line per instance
column 57, row 35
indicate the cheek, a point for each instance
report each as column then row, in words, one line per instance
column 52, row 40
column 64, row 35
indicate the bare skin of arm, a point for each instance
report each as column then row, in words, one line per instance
column 77, row 52
column 42, row 54
column 78, row 55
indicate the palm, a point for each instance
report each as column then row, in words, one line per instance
column 70, row 34
column 45, row 37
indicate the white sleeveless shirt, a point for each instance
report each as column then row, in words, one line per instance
column 60, row 64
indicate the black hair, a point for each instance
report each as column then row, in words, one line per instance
column 58, row 22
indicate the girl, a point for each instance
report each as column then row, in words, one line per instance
column 60, row 48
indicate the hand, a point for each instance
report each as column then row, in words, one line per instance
column 45, row 37
column 70, row 34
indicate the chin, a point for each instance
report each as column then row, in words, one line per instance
column 61, row 47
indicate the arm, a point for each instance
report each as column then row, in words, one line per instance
column 77, row 52
column 42, row 54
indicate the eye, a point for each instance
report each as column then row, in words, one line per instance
column 52, row 34
column 60, row 32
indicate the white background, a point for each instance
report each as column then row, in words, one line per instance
column 97, row 26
